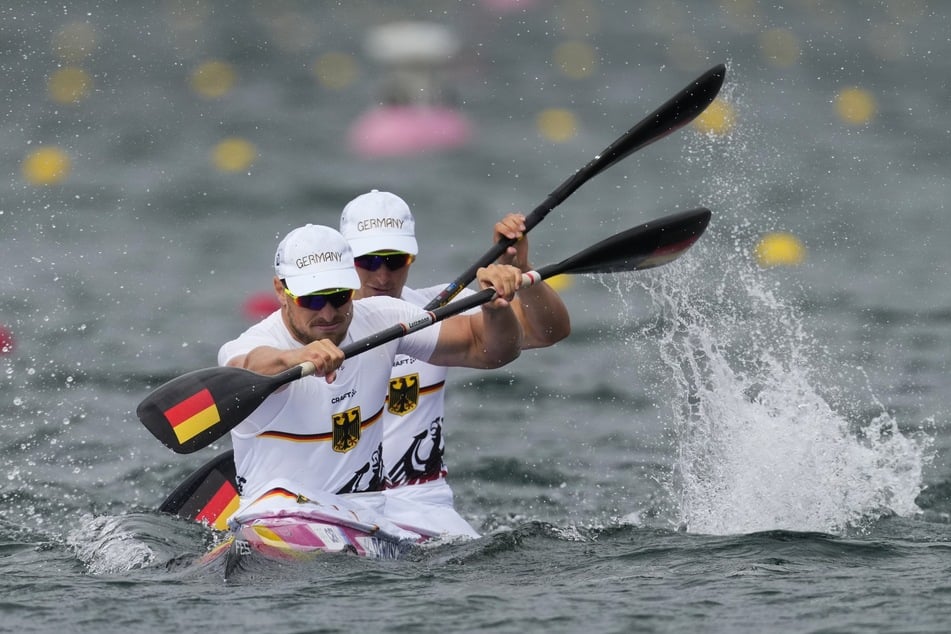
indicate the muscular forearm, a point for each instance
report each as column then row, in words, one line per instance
column 543, row 316
column 491, row 338
column 265, row 360
column 541, row 312
column 323, row 353
column 497, row 337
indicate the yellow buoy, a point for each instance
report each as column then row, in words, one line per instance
column 780, row 47
column 234, row 155
column 717, row 119
column 575, row 59
column 69, row 85
column 557, row 124
column 336, row 70
column 779, row 249
column 46, row 166
column 855, row 106
column 213, row 79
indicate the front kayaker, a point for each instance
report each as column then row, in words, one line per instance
column 320, row 438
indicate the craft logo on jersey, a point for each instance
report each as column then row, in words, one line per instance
column 404, row 394
column 346, row 426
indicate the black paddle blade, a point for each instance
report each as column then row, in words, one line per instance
column 194, row 410
column 674, row 114
column 209, row 495
column 645, row 246
column 677, row 112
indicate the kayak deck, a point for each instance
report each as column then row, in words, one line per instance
column 290, row 539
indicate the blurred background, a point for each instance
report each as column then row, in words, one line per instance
column 155, row 153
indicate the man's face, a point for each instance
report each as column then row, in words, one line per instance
column 309, row 324
column 383, row 273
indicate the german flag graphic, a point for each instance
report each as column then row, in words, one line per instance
column 220, row 507
column 193, row 415
column 209, row 495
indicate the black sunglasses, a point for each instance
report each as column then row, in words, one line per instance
column 316, row 301
column 393, row 261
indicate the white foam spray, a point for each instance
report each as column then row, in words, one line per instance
column 758, row 445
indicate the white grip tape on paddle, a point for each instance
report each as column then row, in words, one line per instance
column 531, row 278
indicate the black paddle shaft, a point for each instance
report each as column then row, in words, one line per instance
column 645, row 246
column 677, row 112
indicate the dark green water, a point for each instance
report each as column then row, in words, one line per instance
column 717, row 447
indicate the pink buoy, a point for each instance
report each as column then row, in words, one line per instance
column 259, row 305
column 7, row 343
column 404, row 130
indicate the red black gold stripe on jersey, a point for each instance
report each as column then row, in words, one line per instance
column 435, row 387
column 281, row 492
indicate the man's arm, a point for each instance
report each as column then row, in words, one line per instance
column 326, row 356
column 489, row 339
column 539, row 309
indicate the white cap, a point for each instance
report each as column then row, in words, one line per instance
column 315, row 258
column 378, row 221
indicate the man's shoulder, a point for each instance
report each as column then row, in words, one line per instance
column 422, row 296
column 272, row 325
column 382, row 311
column 270, row 331
column 378, row 303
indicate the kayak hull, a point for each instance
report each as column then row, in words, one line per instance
column 301, row 539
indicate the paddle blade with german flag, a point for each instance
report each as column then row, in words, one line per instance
column 194, row 410
column 209, row 495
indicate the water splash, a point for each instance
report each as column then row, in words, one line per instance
column 758, row 445
column 106, row 545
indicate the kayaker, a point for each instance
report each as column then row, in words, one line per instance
column 381, row 230
column 319, row 439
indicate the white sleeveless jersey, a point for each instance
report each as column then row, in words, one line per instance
column 413, row 420
column 315, row 437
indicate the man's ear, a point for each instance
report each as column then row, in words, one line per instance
column 279, row 289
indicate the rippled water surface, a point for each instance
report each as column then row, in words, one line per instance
column 718, row 446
